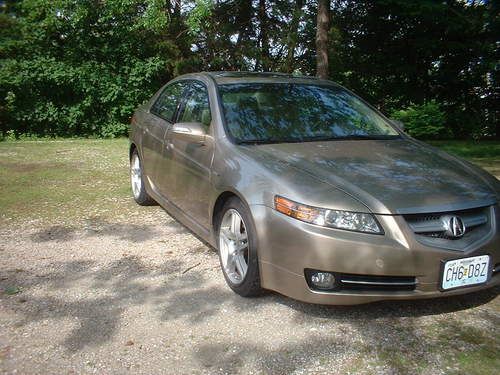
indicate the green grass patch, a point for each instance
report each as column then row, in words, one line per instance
column 480, row 361
column 64, row 181
column 471, row 350
column 485, row 154
column 12, row 290
column 470, row 149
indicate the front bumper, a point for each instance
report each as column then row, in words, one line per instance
column 286, row 247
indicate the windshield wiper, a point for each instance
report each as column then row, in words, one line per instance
column 255, row 141
column 351, row 137
column 268, row 141
column 316, row 139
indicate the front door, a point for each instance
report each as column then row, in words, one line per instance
column 191, row 162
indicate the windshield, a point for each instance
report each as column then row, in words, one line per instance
column 284, row 112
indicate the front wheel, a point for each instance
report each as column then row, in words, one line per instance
column 237, row 249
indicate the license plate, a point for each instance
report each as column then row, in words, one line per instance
column 465, row 272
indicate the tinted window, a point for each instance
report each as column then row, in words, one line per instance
column 279, row 112
column 167, row 102
column 197, row 107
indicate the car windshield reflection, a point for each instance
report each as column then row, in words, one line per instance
column 257, row 113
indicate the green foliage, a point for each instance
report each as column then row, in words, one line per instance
column 396, row 52
column 80, row 67
column 425, row 121
column 202, row 10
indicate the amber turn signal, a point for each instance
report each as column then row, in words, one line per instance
column 296, row 210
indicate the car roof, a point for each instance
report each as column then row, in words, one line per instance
column 225, row 77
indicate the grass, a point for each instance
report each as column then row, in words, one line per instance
column 47, row 181
column 469, row 149
column 66, row 181
column 451, row 344
column 474, row 350
column 484, row 153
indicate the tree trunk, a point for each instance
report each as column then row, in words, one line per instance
column 244, row 11
column 177, row 8
column 292, row 35
column 264, row 46
column 322, row 26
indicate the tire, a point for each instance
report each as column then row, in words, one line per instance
column 237, row 243
column 137, row 181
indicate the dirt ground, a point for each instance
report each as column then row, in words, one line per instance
column 126, row 289
column 146, row 296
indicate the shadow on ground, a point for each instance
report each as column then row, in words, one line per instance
column 395, row 309
column 386, row 334
column 96, row 227
column 126, row 282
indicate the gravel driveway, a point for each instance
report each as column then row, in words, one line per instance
column 112, row 288
column 145, row 296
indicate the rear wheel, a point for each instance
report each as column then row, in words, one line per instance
column 237, row 249
column 137, row 181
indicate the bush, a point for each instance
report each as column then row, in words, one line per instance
column 426, row 121
column 80, row 68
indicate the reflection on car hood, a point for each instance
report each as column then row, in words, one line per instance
column 393, row 176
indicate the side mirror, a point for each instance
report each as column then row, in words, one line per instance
column 192, row 132
column 399, row 124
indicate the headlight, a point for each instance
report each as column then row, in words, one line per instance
column 354, row 221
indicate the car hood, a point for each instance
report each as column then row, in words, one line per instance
column 389, row 176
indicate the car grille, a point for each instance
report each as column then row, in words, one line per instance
column 431, row 224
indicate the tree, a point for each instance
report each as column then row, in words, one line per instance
column 322, row 28
column 293, row 35
column 263, row 37
column 80, row 67
column 398, row 53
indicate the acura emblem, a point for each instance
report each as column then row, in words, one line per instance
column 454, row 226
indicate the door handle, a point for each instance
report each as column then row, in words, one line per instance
column 182, row 130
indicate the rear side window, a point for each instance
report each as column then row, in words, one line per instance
column 167, row 102
column 196, row 107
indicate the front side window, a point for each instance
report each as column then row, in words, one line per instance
column 197, row 107
column 290, row 112
column 166, row 104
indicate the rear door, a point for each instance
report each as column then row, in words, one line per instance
column 162, row 114
column 189, row 174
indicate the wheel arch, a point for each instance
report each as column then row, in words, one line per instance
column 219, row 202
column 131, row 150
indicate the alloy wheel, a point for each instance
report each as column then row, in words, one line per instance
column 136, row 175
column 233, row 246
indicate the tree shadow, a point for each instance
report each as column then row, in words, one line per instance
column 395, row 309
column 97, row 227
column 361, row 343
column 107, row 292
column 230, row 357
column 388, row 334
column 179, row 291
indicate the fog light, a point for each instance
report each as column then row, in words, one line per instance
column 323, row 280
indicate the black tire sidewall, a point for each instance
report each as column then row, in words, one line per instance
column 250, row 286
